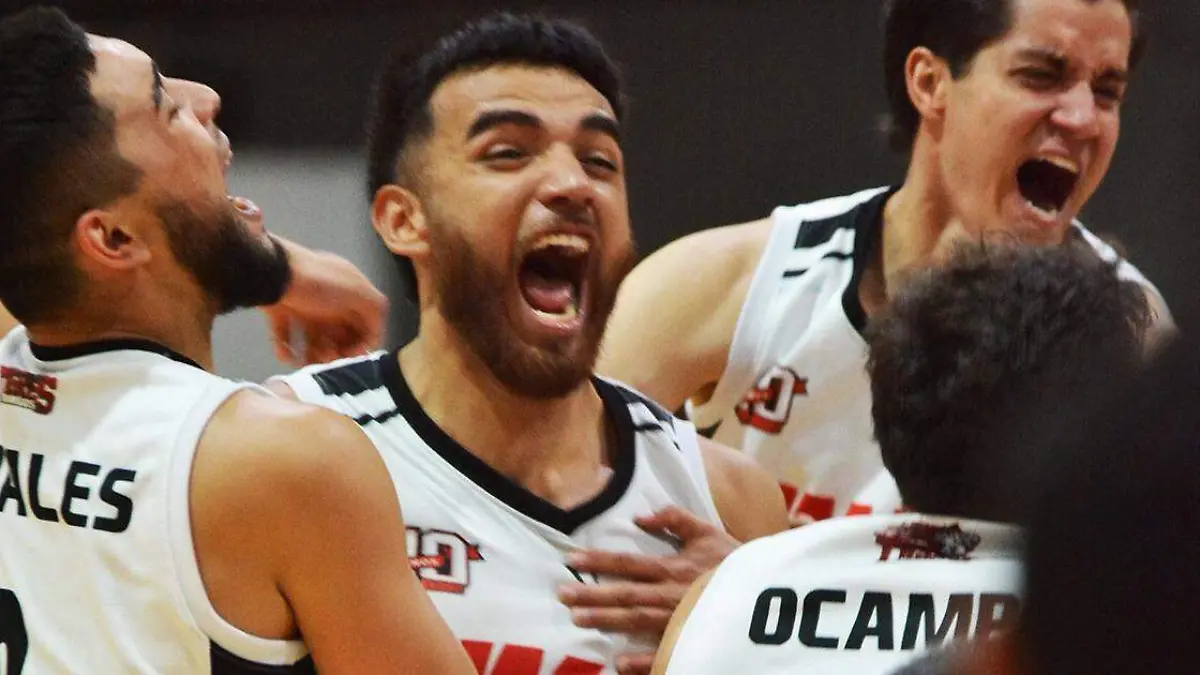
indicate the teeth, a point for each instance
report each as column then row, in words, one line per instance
column 1053, row 213
column 571, row 243
column 1063, row 163
column 571, row 312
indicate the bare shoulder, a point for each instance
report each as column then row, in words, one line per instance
column 302, row 452
column 671, row 637
column 747, row 496
column 675, row 316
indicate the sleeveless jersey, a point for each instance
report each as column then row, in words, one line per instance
column 795, row 393
column 97, row 569
column 853, row 596
column 492, row 554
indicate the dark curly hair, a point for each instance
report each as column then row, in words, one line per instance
column 965, row 348
column 400, row 113
column 955, row 30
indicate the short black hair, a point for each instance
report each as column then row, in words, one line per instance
column 400, row 112
column 963, row 349
column 58, row 159
column 955, row 30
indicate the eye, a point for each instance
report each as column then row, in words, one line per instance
column 505, row 156
column 1038, row 78
column 1110, row 97
column 600, row 161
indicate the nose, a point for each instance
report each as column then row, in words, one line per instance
column 203, row 100
column 1077, row 112
column 567, row 185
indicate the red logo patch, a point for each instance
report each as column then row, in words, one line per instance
column 442, row 560
column 926, row 540
column 27, row 390
column 768, row 406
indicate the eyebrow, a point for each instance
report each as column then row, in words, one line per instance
column 603, row 124
column 495, row 118
column 158, row 87
column 1059, row 62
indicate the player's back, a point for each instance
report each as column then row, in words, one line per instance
column 858, row 596
column 97, row 569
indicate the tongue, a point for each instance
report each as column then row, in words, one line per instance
column 551, row 296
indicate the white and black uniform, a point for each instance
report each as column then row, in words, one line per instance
column 491, row 553
column 852, row 596
column 795, row 393
column 97, row 569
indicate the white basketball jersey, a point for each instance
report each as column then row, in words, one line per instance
column 852, row 596
column 97, row 569
column 795, row 393
column 492, row 554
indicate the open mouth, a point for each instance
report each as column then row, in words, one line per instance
column 1047, row 184
column 551, row 276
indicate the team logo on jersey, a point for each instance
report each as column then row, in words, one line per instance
column 768, row 406
column 27, row 390
column 926, row 540
column 442, row 560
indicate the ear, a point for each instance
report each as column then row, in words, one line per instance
column 399, row 220
column 928, row 78
column 107, row 242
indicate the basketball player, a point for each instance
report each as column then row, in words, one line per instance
column 956, row 361
column 499, row 184
column 154, row 517
column 1010, row 110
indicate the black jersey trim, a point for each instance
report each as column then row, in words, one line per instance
column 227, row 663
column 500, row 486
column 818, row 232
column 868, row 225
column 349, row 379
column 634, row 398
column 65, row 352
column 832, row 255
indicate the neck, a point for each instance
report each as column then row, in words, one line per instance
column 916, row 220
column 178, row 326
column 555, row 448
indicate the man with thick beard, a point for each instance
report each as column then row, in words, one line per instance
column 155, row 517
column 498, row 181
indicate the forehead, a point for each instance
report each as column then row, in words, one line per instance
column 124, row 77
column 550, row 93
column 1099, row 32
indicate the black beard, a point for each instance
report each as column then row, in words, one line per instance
column 468, row 290
column 235, row 268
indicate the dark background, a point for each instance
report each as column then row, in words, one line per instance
column 737, row 106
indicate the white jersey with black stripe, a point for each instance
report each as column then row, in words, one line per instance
column 97, row 569
column 795, row 393
column 853, row 596
column 492, row 554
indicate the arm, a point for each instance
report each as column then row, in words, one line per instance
column 295, row 540
column 667, row 647
column 747, row 497
column 7, row 322
column 331, row 303
column 671, row 329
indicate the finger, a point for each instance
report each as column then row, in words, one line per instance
column 281, row 336
column 678, row 522
column 318, row 346
column 635, row 664
column 647, row 620
column 630, row 566
column 621, row 594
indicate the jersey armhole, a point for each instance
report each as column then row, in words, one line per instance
column 302, row 384
column 195, row 599
column 748, row 334
column 693, row 460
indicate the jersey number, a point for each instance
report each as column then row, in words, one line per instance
column 13, row 637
